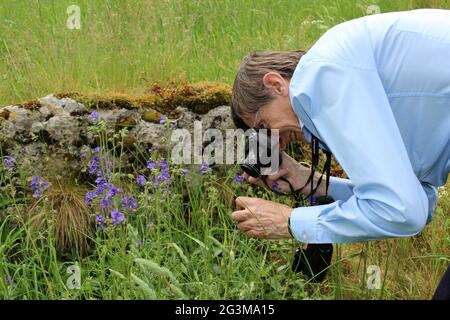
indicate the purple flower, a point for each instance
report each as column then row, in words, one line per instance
column 185, row 171
column 9, row 162
column 117, row 216
column 163, row 164
column 94, row 167
column 93, row 116
column 312, row 200
column 164, row 176
column 89, row 197
column 151, row 165
column 275, row 187
column 129, row 202
column 163, row 119
column 100, row 221
column 138, row 242
column 96, row 149
column 238, row 178
column 39, row 186
column 173, row 123
column 113, row 190
column 106, row 203
column 204, row 169
column 140, row 180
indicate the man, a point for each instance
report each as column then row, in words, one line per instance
column 376, row 92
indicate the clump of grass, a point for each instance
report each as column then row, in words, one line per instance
column 64, row 210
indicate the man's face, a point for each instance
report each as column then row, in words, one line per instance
column 278, row 114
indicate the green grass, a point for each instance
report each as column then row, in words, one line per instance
column 124, row 46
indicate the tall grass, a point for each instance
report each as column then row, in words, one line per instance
column 125, row 45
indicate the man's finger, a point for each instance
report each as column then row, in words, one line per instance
column 276, row 176
column 246, row 225
column 241, row 215
column 245, row 202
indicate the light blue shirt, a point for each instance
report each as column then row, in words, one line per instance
column 376, row 92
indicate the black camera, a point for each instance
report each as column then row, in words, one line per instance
column 260, row 148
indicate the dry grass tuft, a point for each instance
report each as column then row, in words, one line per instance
column 66, row 215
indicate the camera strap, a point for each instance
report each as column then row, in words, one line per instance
column 297, row 194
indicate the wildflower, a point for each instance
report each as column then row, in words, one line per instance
column 113, row 190
column 93, row 116
column 238, row 178
column 129, row 202
column 9, row 162
column 185, row 171
column 117, row 216
column 163, row 119
column 138, row 242
column 275, row 187
column 205, row 168
column 39, row 186
column 106, row 203
column 164, row 176
column 89, row 197
column 100, row 221
column 163, row 164
column 173, row 123
column 312, row 200
column 140, row 180
column 96, row 149
column 94, row 167
column 151, row 165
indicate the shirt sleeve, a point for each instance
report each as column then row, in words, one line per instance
column 340, row 189
column 351, row 113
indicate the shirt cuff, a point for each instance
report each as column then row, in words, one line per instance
column 340, row 189
column 304, row 224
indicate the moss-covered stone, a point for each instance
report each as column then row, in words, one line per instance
column 126, row 122
column 199, row 97
column 151, row 116
column 30, row 105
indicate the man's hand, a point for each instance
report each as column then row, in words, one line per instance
column 294, row 172
column 263, row 219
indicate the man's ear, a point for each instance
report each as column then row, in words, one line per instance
column 275, row 83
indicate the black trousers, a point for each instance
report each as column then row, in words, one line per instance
column 443, row 289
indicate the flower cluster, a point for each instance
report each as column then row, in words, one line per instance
column 38, row 186
column 160, row 175
column 105, row 193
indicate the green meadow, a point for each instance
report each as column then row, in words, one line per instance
column 178, row 244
